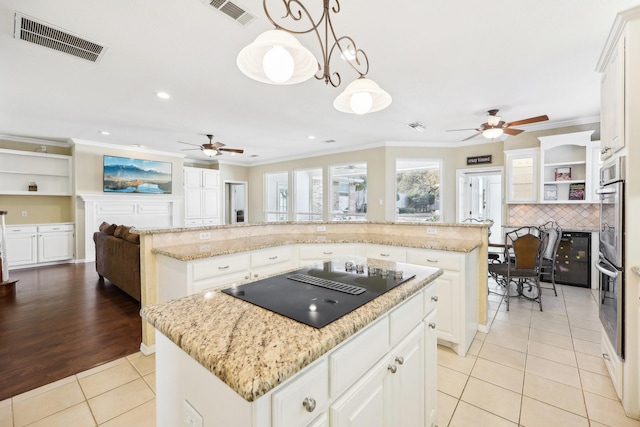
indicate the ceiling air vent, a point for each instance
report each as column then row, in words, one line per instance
column 233, row 10
column 38, row 32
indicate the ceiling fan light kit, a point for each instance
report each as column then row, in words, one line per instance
column 277, row 57
column 492, row 133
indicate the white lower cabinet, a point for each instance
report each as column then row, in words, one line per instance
column 367, row 381
column 457, row 294
column 33, row 245
column 386, row 252
column 319, row 252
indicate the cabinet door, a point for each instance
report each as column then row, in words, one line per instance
column 192, row 203
column 192, row 177
column 612, row 108
column 210, row 178
column 211, row 203
column 522, row 176
column 431, row 368
column 364, row 404
column 55, row 246
column 22, row 249
column 407, row 384
column 449, row 309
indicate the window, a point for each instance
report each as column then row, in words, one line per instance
column 418, row 189
column 276, row 196
column 308, row 195
column 349, row 192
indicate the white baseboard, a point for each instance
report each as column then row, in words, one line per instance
column 484, row 328
column 147, row 350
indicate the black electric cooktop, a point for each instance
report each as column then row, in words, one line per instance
column 319, row 295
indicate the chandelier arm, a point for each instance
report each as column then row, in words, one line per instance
column 295, row 10
column 356, row 58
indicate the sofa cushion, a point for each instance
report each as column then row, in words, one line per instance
column 107, row 228
column 121, row 231
column 129, row 236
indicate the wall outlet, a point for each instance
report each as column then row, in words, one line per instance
column 204, row 236
column 432, row 230
column 24, row 213
column 321, row 228
column 191, row 417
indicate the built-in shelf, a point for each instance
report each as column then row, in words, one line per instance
column 51, row 173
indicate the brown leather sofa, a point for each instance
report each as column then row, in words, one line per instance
column 118, row 257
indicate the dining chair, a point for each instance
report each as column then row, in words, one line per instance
column 548, row 266
column 524, row 248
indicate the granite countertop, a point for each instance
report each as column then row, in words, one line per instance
column 252, row 349
column 143, row 230
column 208, row 249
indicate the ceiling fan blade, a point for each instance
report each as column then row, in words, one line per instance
column 456, row 130
column 472, row 136
column 231, row 150
column 527, row 121
column 188, row 143
column 510, row 131
column 191, row 149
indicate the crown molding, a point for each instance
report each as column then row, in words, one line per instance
column 134, row 148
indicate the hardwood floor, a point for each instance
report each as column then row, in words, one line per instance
column 62, row 320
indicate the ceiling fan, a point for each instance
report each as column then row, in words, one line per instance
column 212, row 148
column 494, row 126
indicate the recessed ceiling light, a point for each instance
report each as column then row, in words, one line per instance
column 163, row 95
column 311, row 137
column 104, row 132
column 417, row 126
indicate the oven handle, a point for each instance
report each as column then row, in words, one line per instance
column 612, row 274
column 606, row 190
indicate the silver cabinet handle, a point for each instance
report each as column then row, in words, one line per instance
column 255, row 274
column 56, row 228
column 432, row 325
column 434, row 298
column 246, row 277
column 309, row 404
column 432, row 260
column 273, row 257
column 400, row 360
column 223, row 268
column 384, row 254
column 327, row 253
column 605, row 356
column 392, row 368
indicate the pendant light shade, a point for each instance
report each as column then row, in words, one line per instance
column 277, row 57
column 362, row 96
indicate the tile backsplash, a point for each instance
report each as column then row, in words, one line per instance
column 580, row 216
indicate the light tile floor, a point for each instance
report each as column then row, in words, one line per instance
column 532, row 369
column 117, row 394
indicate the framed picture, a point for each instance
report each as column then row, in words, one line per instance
column 550, row 192
column 563, row 174
column 126, row 175
column 576, row 191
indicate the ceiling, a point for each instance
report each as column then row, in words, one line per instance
column 445, row 63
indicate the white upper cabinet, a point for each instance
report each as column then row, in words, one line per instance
column 612, row 98
column 522, row 175
column 568, row 168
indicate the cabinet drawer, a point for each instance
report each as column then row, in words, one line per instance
column 220, row 282
column 25, row 229
column 405, row 317
column 430, row 298
column 288, row 404
column 387, row 253
column 271, row 256
column 327, row 251
column 54, row 228
column 440, row 259
column 351, row 361
column 192, row 222
column 217, row 266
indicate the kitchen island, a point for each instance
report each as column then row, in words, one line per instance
column 233, row 363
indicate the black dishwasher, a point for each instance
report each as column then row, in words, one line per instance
column 573, row 259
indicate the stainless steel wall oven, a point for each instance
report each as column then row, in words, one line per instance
column 611, row 248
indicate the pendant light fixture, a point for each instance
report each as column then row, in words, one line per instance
column 277, row 57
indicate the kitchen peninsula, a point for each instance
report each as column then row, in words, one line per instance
column 228, row 362
column 181, row 261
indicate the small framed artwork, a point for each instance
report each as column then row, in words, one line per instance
column 563, row 174
column 550, row 192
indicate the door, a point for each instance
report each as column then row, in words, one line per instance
column 236, row 201
column 480, row 197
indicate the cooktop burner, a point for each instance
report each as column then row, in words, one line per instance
column 319, row 295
